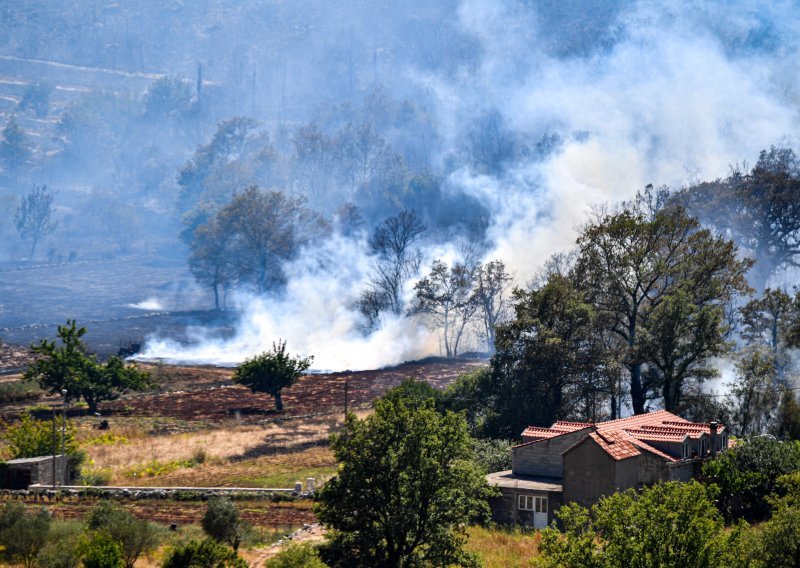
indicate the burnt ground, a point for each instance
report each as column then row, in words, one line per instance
column 101, row 294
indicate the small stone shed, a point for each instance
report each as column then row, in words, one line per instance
column 24, row 472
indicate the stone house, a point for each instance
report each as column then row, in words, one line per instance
column 21, row 473
column 581, row 462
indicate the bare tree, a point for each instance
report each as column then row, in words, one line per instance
column 395, row 262
column 445, row 297
column 34, row 216
column 490, row 289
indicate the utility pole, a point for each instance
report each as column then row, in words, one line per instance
column 55, row 446
column 346, row 387
column 64, row 436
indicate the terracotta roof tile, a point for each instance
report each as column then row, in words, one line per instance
column 642, row 445
column 653, row 418
column 615, row 444
column 570, row 426
column 537, row 432
column 656, row 436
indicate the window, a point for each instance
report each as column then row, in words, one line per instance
column 686, row 449
column 702, row 447
column 531, row 503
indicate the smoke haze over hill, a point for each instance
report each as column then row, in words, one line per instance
column 525, row 115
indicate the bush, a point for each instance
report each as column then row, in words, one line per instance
column 22, row 534
column 492, row 454
column 297, row 556
column 670, row 524
column 204, row 554
column 100, row 550
column 747, row 474
column 221, row 522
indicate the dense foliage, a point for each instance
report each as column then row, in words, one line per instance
column 206, row 553
column 674, row 524
column 748, row 473
column 221, row 522
column 134, row 536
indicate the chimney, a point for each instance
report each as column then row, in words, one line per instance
column 712, row 426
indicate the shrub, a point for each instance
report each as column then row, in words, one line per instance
column 204, row 554
column 297, row 556
column 30, row 438
column 61, row 550
column 100, row 550
column 221, row 522
column 492, row 454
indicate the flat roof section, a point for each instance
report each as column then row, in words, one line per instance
column 507, row 480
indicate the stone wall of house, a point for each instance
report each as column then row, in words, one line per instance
column 543, row 458
column 652, row 469
column 505, row 509
column 589, row 473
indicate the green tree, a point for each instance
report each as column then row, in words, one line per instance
column 34, row 216
column 542, row 360
column 788, row 421
column 747, row 474
column 68, row 366
column 671, row 525
column 272, row 371
column 490, row 292
column 221, row 522
column 632, row 261
column 405, row 490
column 167, row 98
column 203, row 554
column 22, row 534
column 15, row 150
column 302, row 555
column 135, row 536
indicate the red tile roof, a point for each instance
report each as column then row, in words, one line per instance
column 615, row 444
column 570, row 426
column 541, row 433
column 656, row 436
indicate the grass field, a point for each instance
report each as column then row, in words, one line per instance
column 503, row 548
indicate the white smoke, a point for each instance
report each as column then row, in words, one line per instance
column 315, row 316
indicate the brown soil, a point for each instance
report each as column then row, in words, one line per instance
column 207, row 393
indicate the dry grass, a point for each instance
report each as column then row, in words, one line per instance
column 271, row 455
column 503, row 548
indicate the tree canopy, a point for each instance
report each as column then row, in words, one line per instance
column 34, row 216
column 405, row 488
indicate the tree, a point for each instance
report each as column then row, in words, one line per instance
column 221, row 167
column 68, row 366
column 747, row 474
column 670, row 524
column 767, row 321
column 630, row 262
column 444, row 296
column 221, row 522
column 542, row 360
column 34, row 216
column 272, row 371
column 753, row 394
column 395, row 262
column 788, row 422
column 167, row 98
column 15, row 150
column 490, row 289
column 23, row 534
column 252, row 237
column 203, row 554
column 404, row 491
column 759, row 208
column 777, row 541
column 135, row 536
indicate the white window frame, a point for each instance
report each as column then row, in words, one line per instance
column 532, row 503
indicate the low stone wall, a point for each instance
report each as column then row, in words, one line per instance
column 168, row 493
